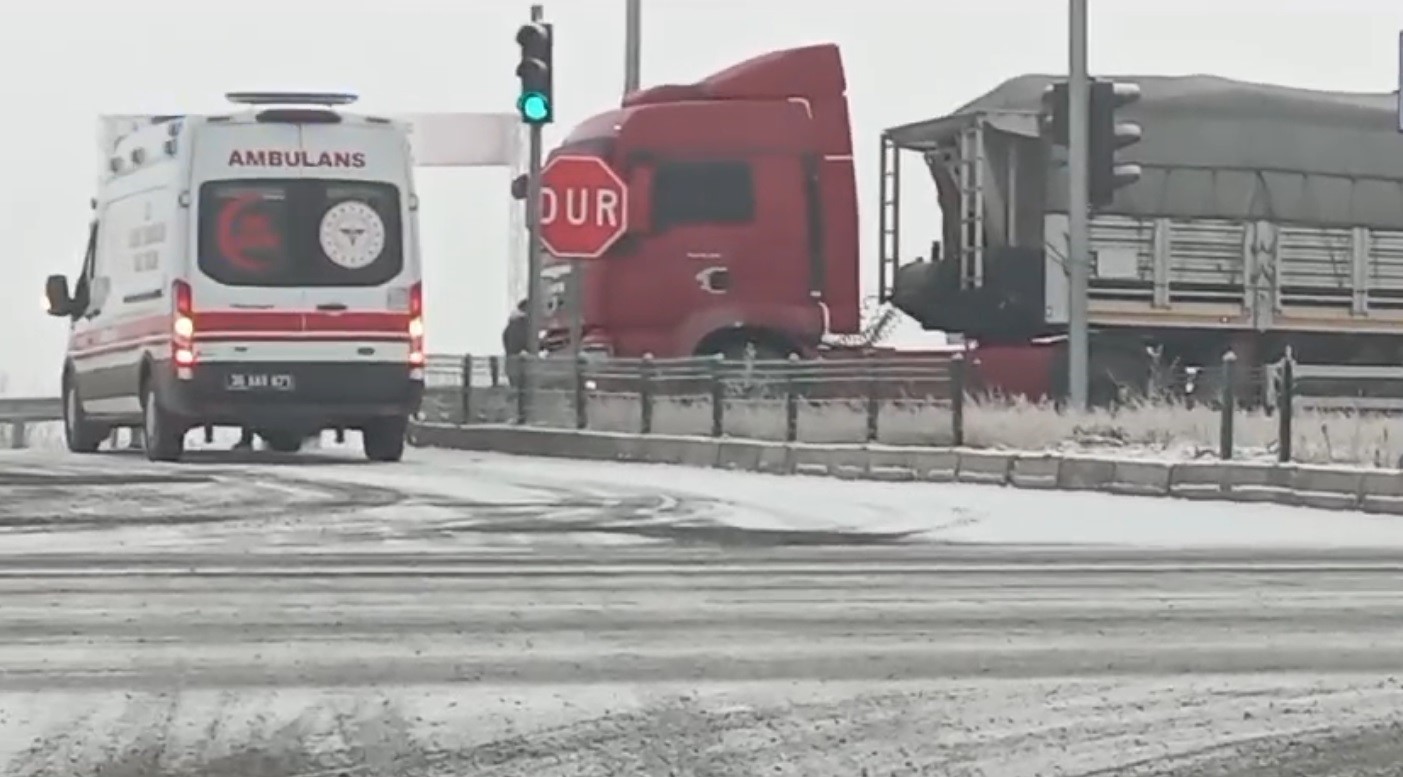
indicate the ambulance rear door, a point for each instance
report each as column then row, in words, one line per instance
column 302, row 242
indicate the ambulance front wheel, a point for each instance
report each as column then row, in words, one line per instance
column 384, row 438
column 81, row 435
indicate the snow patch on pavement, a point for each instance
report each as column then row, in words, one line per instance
column 450, row 494
column 936, row 511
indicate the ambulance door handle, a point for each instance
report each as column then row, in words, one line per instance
column 331, row 306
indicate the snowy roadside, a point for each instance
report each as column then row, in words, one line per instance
column 1166, row 432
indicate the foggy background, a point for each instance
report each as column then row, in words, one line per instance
column 63, row 62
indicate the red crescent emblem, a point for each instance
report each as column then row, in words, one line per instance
column 241, row 232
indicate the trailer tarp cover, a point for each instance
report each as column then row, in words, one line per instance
column 1215, row 147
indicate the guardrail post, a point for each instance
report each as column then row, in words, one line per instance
column 494, row 369
column 581, row 398
column 1225, row 430
column 1285, row 403
column 645, row 394
column 17, row 435
column 957, row 398
column 791, row 399
column 873, row 404
column 519, row 371
column 718, row 396
column 466, row 396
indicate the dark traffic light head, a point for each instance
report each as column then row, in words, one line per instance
column 536, row 101
column 1053, row 119
column 1107, row 136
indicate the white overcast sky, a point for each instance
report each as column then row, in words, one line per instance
column 62, row 62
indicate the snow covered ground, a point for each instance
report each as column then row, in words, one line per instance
column 465, row 613
column 931, row 511
column 451, row 499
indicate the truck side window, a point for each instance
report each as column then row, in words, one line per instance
column 712, row 192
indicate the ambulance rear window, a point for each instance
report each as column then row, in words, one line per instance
column 302, row 232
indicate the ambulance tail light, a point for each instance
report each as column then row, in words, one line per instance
column 416, row 326
column 183, row 328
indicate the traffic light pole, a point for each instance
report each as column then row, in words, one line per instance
column 534, row 297
column 633, row 44
column 1078, row 227
column 533, row 244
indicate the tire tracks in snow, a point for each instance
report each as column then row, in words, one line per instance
column 789, row 661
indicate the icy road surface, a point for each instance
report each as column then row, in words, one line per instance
column 463, row 614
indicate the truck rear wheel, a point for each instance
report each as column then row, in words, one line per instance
column 383, row 439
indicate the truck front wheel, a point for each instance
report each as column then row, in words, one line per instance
column 742, row 347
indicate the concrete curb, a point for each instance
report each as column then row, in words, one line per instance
column 1331, row 488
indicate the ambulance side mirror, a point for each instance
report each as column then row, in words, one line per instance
column 57, row 297
column 640, row 200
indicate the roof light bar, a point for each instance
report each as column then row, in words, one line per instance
column 291, row 98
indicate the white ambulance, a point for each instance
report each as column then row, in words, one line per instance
column 259, row 269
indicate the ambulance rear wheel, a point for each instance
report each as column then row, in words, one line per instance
column 163, row 437
column 80, row 435
column 383, row 439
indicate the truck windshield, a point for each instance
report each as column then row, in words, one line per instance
column 301, row 232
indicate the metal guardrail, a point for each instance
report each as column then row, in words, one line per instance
column 714, row 393
column 924, row 375
column 888, row 393
column 870, row 383
column 31, row 409
column 16, row 414
column 1372, row 389
column 442, row 370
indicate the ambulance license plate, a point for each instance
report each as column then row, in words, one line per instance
column 243, row 381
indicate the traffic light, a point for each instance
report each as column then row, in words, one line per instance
column 1107, row 137
column 1053, row 121
column 536, row 103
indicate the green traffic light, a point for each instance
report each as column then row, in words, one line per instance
column 534, row 107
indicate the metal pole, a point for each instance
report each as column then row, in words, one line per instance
column 534, row 313
column 577, row 305
column 1079, row 101
column 633, row 44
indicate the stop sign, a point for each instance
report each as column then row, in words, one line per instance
column 584, row 207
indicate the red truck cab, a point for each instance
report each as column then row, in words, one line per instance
column 742, row 215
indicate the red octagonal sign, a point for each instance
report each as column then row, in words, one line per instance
column 584, row 207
